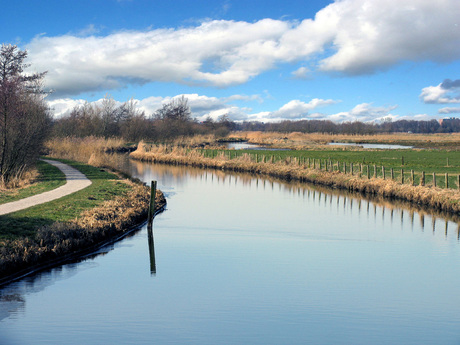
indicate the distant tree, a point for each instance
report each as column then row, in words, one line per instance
column 174, row 119
column 24, row 116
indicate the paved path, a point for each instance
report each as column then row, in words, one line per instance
column 75, row 182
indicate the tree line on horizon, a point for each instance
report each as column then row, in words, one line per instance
column 174, row 119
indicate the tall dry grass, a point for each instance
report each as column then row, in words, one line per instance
column 22, row 180
column 441, row 199
column 308, row 140
column 91, row 150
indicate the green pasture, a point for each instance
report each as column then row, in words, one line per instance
column 105, row 186
column 393, row 162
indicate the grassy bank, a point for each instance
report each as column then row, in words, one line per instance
column 46, row 177
column 79, row 222
column 295, row 169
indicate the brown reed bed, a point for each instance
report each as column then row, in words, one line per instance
column 61, row 242
column 447, row 200
column 297, row 140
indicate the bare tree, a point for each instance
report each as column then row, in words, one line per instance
column 24, row 117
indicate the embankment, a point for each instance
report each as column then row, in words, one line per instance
column 62, row 242
column 447, row 200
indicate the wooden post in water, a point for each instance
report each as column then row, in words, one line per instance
column 153, row 192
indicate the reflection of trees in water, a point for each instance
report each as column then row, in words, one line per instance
column 371, row 206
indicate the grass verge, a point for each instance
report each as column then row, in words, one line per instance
column 82, row 221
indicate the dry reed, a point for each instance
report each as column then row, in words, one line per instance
column 299, row 140
column 89, row 150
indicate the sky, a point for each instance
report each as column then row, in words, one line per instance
column 262, row 60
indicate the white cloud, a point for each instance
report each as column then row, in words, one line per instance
column 447, row 92
column 449, row 110
column 354, row 36
column 296, row 110
column 364, row 112
column 301, row 73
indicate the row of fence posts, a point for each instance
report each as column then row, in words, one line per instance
column 328, row 165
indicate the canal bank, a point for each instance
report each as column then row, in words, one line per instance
column 447, row 200
column 71, row 224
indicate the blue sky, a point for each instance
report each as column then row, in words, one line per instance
column 366, row 60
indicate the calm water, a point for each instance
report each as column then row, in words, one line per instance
column 240, row 260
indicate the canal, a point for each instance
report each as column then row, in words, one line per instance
column 237, row 259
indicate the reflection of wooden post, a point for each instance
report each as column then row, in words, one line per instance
column 153, row 267
column 153, row 191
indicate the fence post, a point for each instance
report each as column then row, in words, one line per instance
column 412, row 177
column 368, row 172
column 402, row 176
column 447, row 180
column 422, row 179
column 383, row 172
column 375, row 171
column 351, row 168
column 458, row 181
column 392, row 174
column 434, row 179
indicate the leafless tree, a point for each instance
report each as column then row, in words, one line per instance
column 24, row 116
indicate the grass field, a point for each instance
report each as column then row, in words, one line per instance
column 105, row 186
column 428, row 161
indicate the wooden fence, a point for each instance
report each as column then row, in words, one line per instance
column 404, row 176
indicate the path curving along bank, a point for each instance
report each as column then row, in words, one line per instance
column 75, row 181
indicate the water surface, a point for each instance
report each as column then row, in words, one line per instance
column 241, row 260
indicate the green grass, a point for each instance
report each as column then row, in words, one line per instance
column 49, row 178
column 105, row 186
